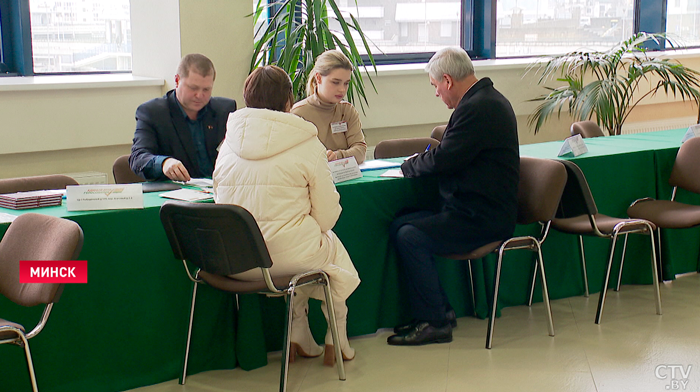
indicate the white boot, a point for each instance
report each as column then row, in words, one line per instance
column 302, row 341
column 341, row 317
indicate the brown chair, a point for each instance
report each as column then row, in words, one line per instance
column 223, row 240
column 38, row 183
column 670, row 214
column 541, row 185
column 578, row 214
column 122, row 172
column 395, row 148
column 438, row 132
column 586, row 129
column 34, row 237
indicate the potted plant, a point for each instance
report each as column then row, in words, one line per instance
column 297, row 31
column 602, row 86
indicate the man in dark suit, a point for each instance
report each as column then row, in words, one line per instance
column 477, row 165
column 177, row 135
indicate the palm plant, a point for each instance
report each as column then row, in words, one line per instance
column 601, row 86
column 297, row 31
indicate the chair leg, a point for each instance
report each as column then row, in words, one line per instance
column 655, row 270
column 30, row 363
column 189, row 336
column 494, row 305
column 532, row 283
column 604, row 289
column 334, row 327
column 583, row 267
column 622, row 261
column 471, row 285
column 659, row 259
column 545, row 292
column 286, row 342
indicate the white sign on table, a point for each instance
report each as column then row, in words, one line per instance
column 693, row 130
column 103, row 197
column 574, row 145
column 344, row 169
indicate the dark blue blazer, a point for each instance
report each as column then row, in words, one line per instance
column 161, row 129
column 477, row 165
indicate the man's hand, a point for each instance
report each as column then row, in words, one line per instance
column 331, row 155
column 175, row 170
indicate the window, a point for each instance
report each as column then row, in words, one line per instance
column 68, row 36
column 407, row 27
column 683, row 21
column 540, row 27
column 75, row 36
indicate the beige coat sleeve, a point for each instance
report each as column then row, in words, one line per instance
column 325, row 200
column 357, row 146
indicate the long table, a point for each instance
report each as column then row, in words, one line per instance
column 126, row 327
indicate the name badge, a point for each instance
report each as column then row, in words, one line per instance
column 339, row 127
column 573, row 145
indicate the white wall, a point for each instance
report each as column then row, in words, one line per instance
column 74, row 130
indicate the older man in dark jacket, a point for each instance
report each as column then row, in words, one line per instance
column 477, row 166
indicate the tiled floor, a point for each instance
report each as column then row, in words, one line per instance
column 632, row 350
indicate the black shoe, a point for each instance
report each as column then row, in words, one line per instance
column 422, row 333
column 404, row 329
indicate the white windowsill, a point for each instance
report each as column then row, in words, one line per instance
column 66, row 82
column 505, row 64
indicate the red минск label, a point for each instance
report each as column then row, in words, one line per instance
column 53, row 271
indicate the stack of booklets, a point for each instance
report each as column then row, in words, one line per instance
column 34, row 199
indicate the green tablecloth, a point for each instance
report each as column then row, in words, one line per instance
column 126, row 327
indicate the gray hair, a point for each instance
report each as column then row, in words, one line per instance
column 453, row 61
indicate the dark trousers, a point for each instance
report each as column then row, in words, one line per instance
column 417, row 265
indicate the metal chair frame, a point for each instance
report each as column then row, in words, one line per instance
column 271, row 289
column 626, row 226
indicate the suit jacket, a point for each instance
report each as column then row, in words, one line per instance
column 161, row 129
column 477, row 164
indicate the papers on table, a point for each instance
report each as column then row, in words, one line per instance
column 573, row 144
column 104, row 197
column 5, row 218
column 397, row 173
column 378, row 164
column 344, row 169
column 33, row 199
column 693, row 130
column 188, row 195
column 201, row 182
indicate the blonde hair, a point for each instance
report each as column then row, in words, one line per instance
column 326, row 62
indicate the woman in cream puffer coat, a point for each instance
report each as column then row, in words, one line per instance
column 272, row 164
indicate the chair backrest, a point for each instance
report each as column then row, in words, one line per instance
column 577, row 199
column 685, row 169
column 37, row 183
column 221, row 239
column 36, row 237
column 438, row 132
column 586, row 129
column 541, row 185
column 122, row 172
column 395, row 148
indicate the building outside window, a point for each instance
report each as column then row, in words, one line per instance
column 80, row 35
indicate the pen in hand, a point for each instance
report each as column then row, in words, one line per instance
column 427, row 148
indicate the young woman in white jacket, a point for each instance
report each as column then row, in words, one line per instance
column 273, row 164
